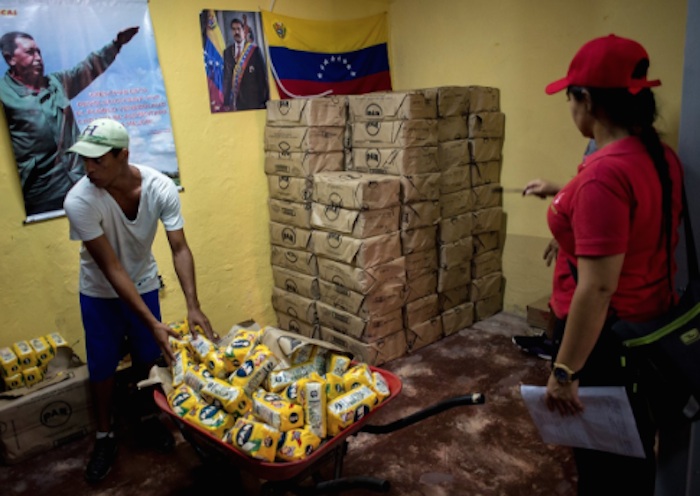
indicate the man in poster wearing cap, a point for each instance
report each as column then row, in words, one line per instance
column 114, row 210
column 40, row 118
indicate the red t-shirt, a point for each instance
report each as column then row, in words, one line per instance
column 613, row 206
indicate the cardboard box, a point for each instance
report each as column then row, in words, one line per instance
column 292, row 324
column 486, row 286
column 486, row 173
column 356, row 190
column 420, row 310
column 455, row 254
column 453, row 153
column 452, row 128
column 539, row 313
column 487, row 125
column 423, row 334
column 455, row 228
column 290, row 236
column 361, row 253
column 356, row 223
column 317, row 139
column 453, row 297
column 290, row 213
column 47, row 416
column 394, row 134
column 487, row 196
column 457, row 318
column 421, row 239
column 420, row 187
column 455, row 276
column 367, row 330
column 296, row 282
column 488, row 307
column 487, row 219
column 421, row 262
column 323, row 111
column 484, row 149
column 394, row 161
column 457, row 203
column 290, row 188
column 294, row 305
column 359, row 279
column 484, row 242
column 376, row 353
column 390, row 106
column 452, row 100
column 422, row 285
column 297, row 260
column 484, row 99
column 419, row 214
column 455, row 179
column 302, row 164
column 384, row 298
column 486, row 263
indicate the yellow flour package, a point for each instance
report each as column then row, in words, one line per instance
column 335, row 386
column 201, row 347
column 257, row 439
column 241, row 346
column 181, row 327
column 56, row 341
column 278, row 380
column 197, row 376
column 216, row 364
column 224, row 395
column 297, row 444
column 254, row 369
column 215, row 421
column 32, row 375
column 14, row 381
column 9, row 363
column 349, row 408
column 380, row 386
column 183, row 361
column 274, row 410
column 359, row 375
column 182, row 399
column 338, row 364
column 42, row 349
column 313, row 401
column 25, row 354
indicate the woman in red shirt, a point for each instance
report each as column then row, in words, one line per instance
column 616, row 223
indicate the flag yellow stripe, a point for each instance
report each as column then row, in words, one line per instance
column 214, row 33
column 325, row 36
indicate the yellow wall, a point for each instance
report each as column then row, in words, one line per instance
column 514, row 45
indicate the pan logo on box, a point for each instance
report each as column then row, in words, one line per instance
column 373, row 157
column 290, row 235
column 373, row 127
column 332, row 212
column 283, row 107
column 56, row 414
column 334, row 240
column 373, row 110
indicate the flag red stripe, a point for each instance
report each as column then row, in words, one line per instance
column 374, row 82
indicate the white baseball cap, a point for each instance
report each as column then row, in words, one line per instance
column 99, row 137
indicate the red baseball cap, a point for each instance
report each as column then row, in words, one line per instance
column 606, row 62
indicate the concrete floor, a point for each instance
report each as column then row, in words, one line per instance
column 490, row 449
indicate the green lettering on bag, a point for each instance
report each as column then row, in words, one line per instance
column 668, row 329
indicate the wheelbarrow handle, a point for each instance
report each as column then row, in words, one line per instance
column 466, row 400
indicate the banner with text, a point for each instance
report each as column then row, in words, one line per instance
column 69, row 62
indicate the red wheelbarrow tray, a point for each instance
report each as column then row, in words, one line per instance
column 279, row 471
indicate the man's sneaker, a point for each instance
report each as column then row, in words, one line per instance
column 540, row 345
column 101, row 459
column 156, row 435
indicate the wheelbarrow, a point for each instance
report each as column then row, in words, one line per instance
column 293, row 477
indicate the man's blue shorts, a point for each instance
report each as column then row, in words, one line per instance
column 108, row 322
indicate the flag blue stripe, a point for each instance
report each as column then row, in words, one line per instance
column 327, row 67
column 214, row 64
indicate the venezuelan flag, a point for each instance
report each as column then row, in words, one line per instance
column 214, row 59
column 314, row 58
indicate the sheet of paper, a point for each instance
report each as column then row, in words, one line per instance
column 607, row 423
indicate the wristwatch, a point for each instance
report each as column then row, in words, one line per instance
column 563, row 374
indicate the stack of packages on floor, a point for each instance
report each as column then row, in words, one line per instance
column 240, row 392
column 387, row 237
column 25, row 362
